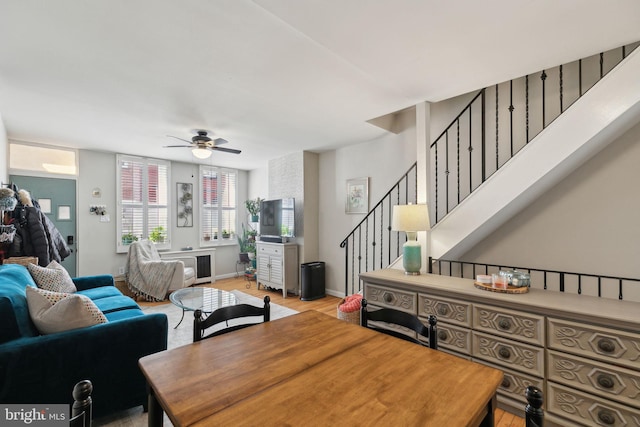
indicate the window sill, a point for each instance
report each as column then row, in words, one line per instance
column 218, row 243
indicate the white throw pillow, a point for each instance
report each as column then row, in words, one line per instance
column 53, row 277
column 53, row 312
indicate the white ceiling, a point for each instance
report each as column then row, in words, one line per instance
column 270, row 76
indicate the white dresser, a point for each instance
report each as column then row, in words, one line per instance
column 582, row 351
column 205, row 262
column 277, row 266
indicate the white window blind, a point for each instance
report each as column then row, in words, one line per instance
column 218, row 189
column 288, row 217
column 143, row 201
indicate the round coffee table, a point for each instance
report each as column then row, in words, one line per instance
column 207, row 300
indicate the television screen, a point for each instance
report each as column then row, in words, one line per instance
column 277, row 217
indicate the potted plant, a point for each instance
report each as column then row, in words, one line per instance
column 253, row 207
column 225, row 234
column 129, row 238
column 247, row 242
column 157, row 235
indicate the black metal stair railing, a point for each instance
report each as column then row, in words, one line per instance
column 521, row 108
column 500, row 120
column 560, row 281
column 372, row 244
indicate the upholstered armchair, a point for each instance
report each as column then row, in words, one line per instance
column 153, row 278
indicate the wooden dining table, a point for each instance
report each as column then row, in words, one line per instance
column 313, row 369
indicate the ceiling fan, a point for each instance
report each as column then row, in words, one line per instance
column 202, row 146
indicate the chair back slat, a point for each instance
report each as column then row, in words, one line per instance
column 400, row 318
column 224, row 314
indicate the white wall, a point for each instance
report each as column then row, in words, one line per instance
column 384, row 161
column 586, row 224
column 258, row 183
column 96, row 243
column 97, row 240
column 4, row 149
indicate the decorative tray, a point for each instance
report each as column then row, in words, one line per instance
column 508, row 290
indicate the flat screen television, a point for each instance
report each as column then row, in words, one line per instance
column 277, row 218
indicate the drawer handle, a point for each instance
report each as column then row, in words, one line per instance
column 443, row 310
column 606, row 345
column 442, row 335
column 504, row 324
column 504, row 353
column 605, row 381
column 388, row 298
column 606, row 417
column 505, row 383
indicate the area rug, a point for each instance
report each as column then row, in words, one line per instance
column 183, row 334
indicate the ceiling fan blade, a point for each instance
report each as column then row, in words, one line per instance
column 185, row 140
column 174, row 146
column 219, row 141
column 227, row 150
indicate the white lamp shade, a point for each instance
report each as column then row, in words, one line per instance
column 201, row 153
column 410, row 218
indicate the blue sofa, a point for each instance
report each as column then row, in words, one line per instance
column 38, row 368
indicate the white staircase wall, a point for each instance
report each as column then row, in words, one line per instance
column 604, row 113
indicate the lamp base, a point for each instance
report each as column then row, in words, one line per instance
column 411, row 258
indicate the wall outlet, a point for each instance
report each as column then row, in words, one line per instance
column 120, row 270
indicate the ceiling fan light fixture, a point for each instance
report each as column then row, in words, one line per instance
column 201, row 153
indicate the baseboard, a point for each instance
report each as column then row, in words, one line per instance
column 226, row 276
column 333, row 293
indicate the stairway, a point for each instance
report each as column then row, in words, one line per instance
column 600, row 116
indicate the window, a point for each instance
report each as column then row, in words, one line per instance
column 288, row 217
column 218, row 208
column 143, row 201
column 42, row 159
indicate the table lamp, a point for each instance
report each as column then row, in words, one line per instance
column 411, row 219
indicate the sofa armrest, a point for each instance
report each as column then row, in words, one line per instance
column 44, row 369
column 90, row 282
column 189, row 261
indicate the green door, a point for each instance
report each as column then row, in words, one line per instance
column 57, row 198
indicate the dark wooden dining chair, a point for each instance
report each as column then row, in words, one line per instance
column 224, row 314
column 400, row 318
column 81, row 411
column 533, row 413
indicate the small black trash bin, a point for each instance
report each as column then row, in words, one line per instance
column 312, row 277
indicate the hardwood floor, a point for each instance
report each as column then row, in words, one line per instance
column 327, row 305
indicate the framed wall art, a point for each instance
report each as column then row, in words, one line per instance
column 185, row 204
column 357, row 196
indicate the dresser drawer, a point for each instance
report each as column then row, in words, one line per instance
column 595, row 342
column 608, row 381
column 447, row 310
column 510, row 324
column 515, row 383
column 452, row 337
column 392, row 298
column 588, row 410
column 269, row 250
column 511, row 354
